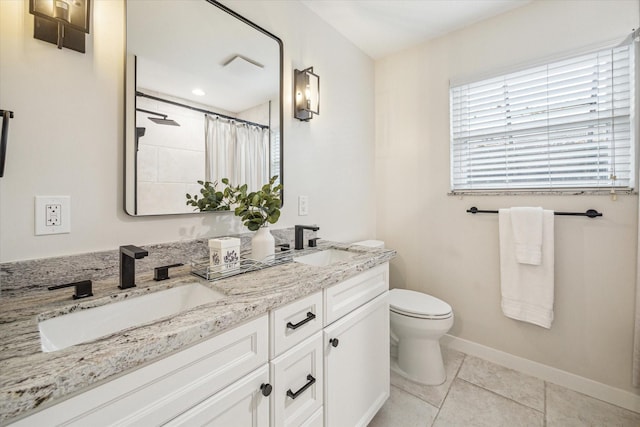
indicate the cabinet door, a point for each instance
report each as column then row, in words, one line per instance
column 239, row 405
column 356, row 366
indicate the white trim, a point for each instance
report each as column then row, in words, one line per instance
column 565, row 192
column 562, row 378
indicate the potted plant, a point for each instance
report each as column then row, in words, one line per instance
column 257, row 210
column 210, row 199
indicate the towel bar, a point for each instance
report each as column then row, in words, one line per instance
column 591, row 213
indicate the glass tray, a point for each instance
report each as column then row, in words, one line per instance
column 201, row 267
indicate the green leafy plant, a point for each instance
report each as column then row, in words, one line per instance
column 255, row 208
column 210, row 199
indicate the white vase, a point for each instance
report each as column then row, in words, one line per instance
column 262, row 244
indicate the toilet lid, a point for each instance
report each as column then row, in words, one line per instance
column 412, row 303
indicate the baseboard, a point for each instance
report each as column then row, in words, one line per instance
column 562, row 378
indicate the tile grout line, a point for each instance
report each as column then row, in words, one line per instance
column 545, row 404
column 464, row 357
column 504, row 397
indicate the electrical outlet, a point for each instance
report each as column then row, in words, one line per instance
column 303, row 205
column 52, row 215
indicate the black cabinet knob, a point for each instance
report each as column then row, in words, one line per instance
column 266, row 389
column 334, row 342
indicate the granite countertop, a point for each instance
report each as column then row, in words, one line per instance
column 31, row 379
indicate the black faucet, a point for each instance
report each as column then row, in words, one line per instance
column 299, row 229
column 128, row 256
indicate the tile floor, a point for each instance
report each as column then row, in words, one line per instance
column 481, row 393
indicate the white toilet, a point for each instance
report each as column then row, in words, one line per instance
column 418, row 321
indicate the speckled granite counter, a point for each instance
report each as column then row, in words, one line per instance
column 32, row 379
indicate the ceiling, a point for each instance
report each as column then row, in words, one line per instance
column 382, row 27
column 236, row 66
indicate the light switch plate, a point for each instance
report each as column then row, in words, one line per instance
column 52, row 215
column 303, row 205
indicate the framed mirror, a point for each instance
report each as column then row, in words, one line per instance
column 203, row 91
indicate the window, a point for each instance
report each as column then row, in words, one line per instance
column 275, row 155
column 562, row 125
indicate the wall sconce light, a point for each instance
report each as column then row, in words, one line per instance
column 61, row 22
column 306, row 94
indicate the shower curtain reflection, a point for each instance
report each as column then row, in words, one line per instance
column 237, row 151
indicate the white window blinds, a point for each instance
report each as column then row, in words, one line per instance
column 562, row 125
column 275, row 155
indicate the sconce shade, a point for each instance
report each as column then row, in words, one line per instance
column 306, row 94
column 72, row 14
column 61, row 22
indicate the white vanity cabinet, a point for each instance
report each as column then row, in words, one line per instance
column 356, row 358
column 201, row 380
column 324, row 360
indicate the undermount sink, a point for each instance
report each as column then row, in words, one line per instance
column 87, row 325
column 325, row 257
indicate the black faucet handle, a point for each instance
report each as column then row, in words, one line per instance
column 162, row 273
column 313, row 242
column 83, row 288
column 284, row 247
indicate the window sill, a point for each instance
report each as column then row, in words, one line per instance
column 565, row 192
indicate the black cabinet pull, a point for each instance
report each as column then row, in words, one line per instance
column 266, row 389
column 310, row 317
column 311, row 381
column 334, row 342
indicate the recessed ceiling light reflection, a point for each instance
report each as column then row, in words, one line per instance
column 198, row 92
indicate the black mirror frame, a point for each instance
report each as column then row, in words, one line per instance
column 281, row 111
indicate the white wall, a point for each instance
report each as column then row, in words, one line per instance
column 454, row 255
column 170, row 159
column 67, row 135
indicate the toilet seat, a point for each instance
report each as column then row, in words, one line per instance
column 419, row 305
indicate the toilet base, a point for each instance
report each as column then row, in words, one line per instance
column 395, row 368
column 419, row 361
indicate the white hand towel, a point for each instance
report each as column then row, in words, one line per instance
column 527, row 234
column 527, row 290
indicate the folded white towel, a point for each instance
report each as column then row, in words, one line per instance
column 527, row 234
column 527, row 290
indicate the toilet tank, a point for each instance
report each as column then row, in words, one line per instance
column 371, row 243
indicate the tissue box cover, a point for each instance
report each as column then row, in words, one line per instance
column 224, row 253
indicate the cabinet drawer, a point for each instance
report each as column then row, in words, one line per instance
column 241, row 404
column 315, row 420
column 354, row 292
column 158, row 392
column 295, row 322
column 297, row 378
